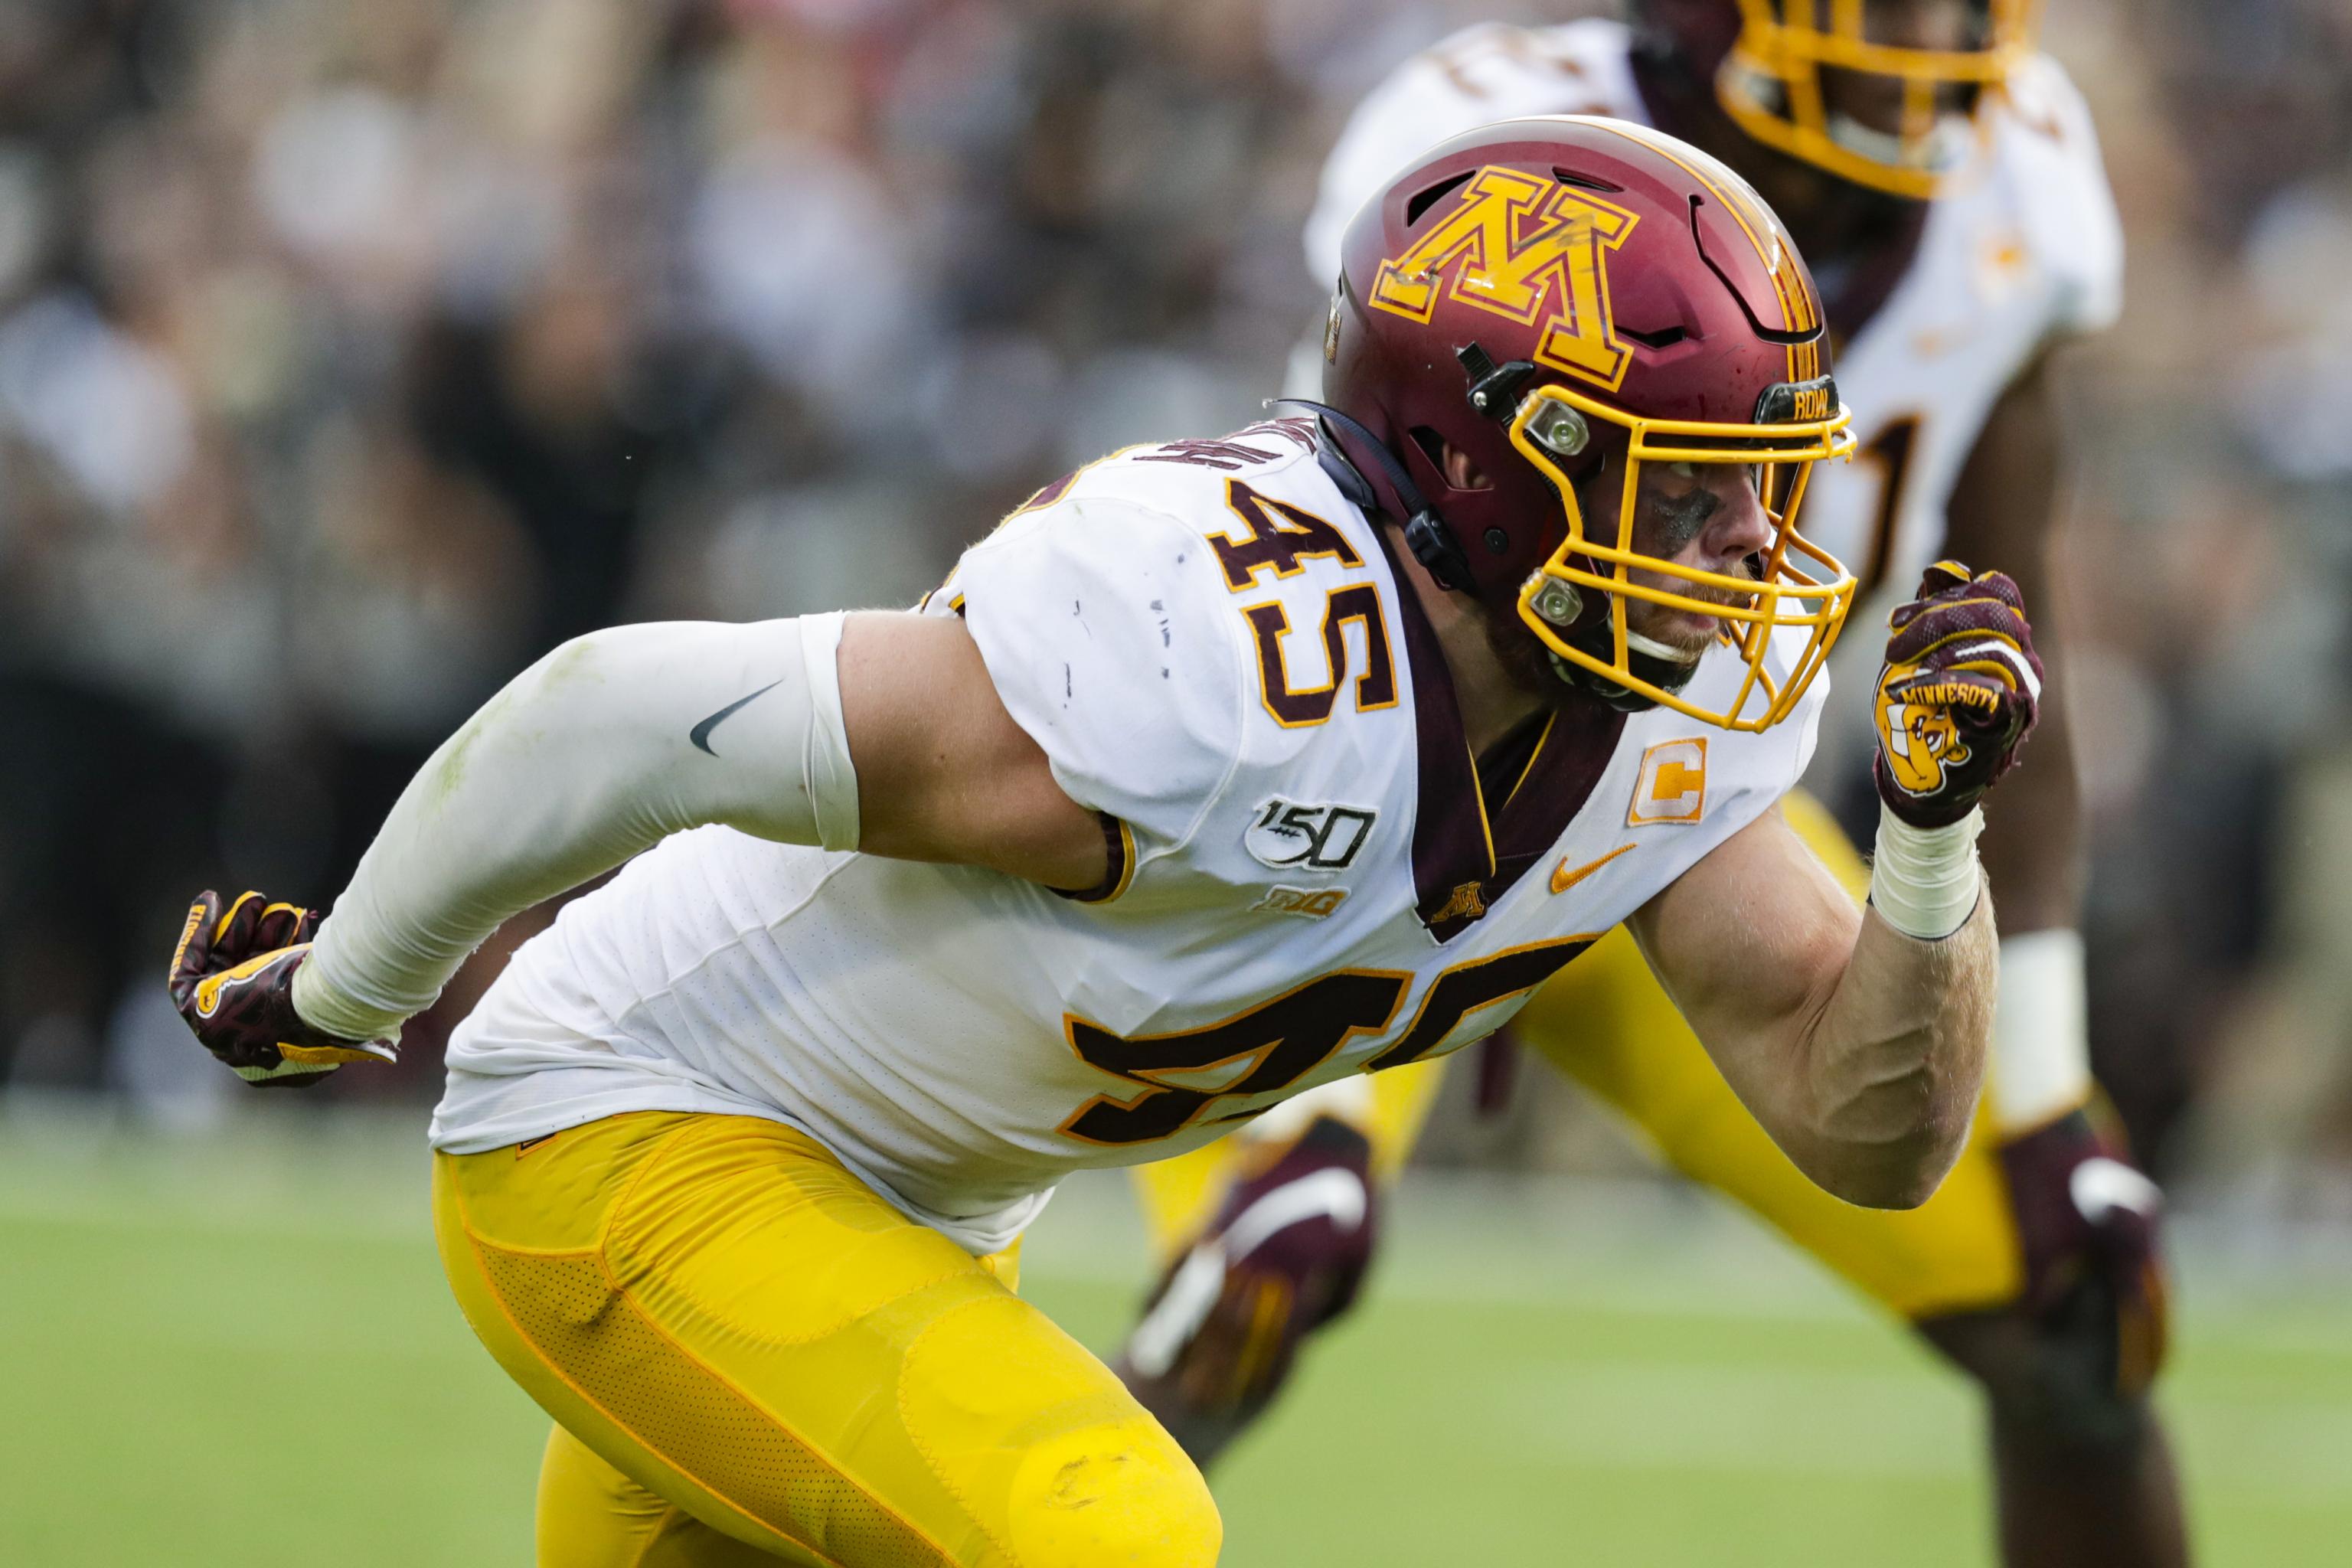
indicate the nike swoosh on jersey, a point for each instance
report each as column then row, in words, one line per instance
column 1563, row 878
column 700, row 734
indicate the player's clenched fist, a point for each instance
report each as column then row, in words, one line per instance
column 1957, row 696
column 233, row 980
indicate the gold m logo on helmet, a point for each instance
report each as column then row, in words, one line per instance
column 1517, row 246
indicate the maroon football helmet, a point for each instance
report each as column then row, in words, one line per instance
column 1547, row 295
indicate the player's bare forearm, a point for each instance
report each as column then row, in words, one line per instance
column 1895, row 1060
column 2007, row 512
column 1859, row 1049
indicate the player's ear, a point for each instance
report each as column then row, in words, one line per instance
column 1460, row 473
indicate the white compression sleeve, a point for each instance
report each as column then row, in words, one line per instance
column 602, row 749
column 2040, row 1035
column 1925, row 881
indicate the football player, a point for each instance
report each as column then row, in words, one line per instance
column 1944, row 181
column 1224, row 769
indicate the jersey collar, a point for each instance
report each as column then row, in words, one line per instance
column 1468, row 850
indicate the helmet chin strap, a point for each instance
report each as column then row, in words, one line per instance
column 1666, row 673
column 1655, row 648
column 1425, row 533
column 1665, row 667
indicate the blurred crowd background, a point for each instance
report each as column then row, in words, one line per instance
column 353, row 355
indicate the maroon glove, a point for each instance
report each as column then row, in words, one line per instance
column 1286, row 1255
column 233, row 980
column 1957, row 696
column 2087, row 1219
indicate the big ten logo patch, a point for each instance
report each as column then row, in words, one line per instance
column 1306, row 903
column 1672, row 786
column 1289, row 836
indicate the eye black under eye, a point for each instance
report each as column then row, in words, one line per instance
column 1684, row 516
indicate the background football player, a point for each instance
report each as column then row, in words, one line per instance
column 1944, row 181
column 1104, row 849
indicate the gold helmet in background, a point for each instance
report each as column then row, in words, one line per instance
column 1885, row 93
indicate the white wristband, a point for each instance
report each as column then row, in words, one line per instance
column 2040, row 1039
column 1923, row 881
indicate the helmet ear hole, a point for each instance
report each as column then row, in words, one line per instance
column 1451, row 464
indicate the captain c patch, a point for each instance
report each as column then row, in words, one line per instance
column 1672, row 785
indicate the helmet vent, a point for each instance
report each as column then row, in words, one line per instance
column 1755, row 321
column 1586, row 182
column 1429, row 198
column 1665, row 337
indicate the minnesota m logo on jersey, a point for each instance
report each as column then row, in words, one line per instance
column 1519, row 244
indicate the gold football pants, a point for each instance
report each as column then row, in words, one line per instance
column 1606, row 1022
column 750, row 1356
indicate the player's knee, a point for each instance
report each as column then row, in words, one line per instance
column 1121, row 1493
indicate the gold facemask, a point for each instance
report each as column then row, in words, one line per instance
column 1770, row 84
column 1800, row 586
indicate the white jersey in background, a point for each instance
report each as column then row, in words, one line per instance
column 1212, row 648
column 2024, row 247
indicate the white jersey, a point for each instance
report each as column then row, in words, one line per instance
column 1213, row 646
column 2024, row 247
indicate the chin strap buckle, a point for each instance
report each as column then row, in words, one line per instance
column 1431, row 543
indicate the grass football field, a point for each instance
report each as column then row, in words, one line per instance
column 236, row 1348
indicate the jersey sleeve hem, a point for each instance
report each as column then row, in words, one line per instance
column 1136, row 748
column 1119, row 840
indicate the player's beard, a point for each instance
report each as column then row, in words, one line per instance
column 1531, row 665
column 1526, row 660
column 1680, row 630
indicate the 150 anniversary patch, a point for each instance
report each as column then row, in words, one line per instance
column 1290, row 837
